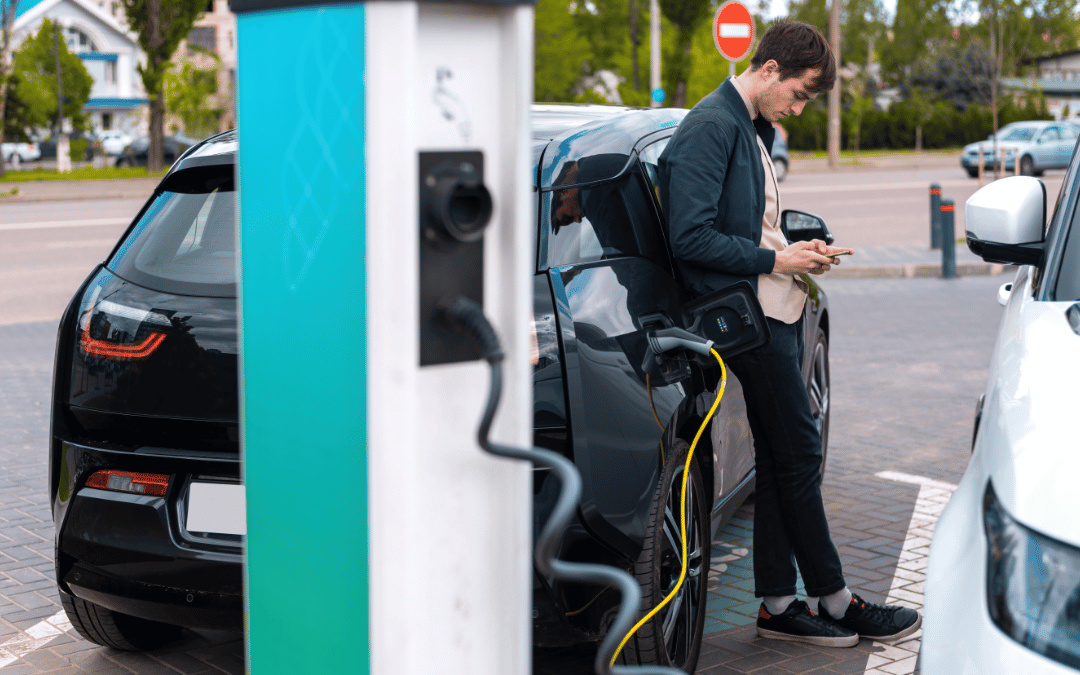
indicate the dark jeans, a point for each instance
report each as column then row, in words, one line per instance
column 789, row 516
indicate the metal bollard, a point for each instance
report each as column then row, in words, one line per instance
column 948, row 240
column 935, row 216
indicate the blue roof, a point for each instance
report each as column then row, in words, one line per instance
column 25, row 6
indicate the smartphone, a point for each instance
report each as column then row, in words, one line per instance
column 833, row 255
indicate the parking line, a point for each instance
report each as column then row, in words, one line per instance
column 43, row 224
column 36, row 636
column 907, row 585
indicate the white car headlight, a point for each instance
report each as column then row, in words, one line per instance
column 1032, row 585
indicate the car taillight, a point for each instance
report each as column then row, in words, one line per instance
column 114, row 331
column 155, row 484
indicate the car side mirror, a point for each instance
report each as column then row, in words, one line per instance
column 802, row 226
column 1005, row 221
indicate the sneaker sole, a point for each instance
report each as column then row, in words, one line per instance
column 899, row 635
column 820, row 641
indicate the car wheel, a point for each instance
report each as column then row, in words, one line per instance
column 973, row 173
column 818, row 390
column 122, row 162
column 113, row 629
column 780, row 168
column 673, row 637
column 15, row 160
column 1027, row 167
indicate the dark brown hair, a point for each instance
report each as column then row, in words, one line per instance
column 797, row 47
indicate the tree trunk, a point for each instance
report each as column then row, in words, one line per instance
column 918, row 138
column 684, row 70
column 155, row 155
column 634, row 41
column 3, row 105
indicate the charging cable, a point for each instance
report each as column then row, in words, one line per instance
column 468, row 315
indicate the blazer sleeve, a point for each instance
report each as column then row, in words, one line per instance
column 697, row 166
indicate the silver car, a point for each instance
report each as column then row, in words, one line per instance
column 1039, row 145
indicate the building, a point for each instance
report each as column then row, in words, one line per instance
column 93, row 30
column 215, row 32
column 1058, row 78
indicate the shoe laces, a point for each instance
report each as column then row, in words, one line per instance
column 873, row 611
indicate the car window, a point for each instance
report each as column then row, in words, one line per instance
column 1019, row 134
column 1067, row 286
column 185, row 242
column 1049, row 134
column 650, row 159
column 589, row 220
column 1069, row 132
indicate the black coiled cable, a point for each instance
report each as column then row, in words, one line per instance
column 468, row 315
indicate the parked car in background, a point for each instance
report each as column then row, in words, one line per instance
column 16, row 153
column 1003, row 584
column 780, row 158
column 113, row 141
column 80, row 139
column 135, row 154
column 1039, row 145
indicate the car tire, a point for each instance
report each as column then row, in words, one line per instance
column 113, row 629
column 973, row 173
column 15, row 161
column 1027, row 166
column 817, row 388
column 673, row 637
column 122, row 162
column 780, row 168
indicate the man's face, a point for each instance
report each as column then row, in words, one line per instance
column 568, row 210
column 785, row 97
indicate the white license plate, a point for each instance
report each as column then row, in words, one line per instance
column 218, row 508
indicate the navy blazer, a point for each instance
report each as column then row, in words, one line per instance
column 712, row 191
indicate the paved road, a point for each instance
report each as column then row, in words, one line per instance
column 909, row 359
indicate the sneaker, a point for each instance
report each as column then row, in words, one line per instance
column 885, row 623
column 799, row 624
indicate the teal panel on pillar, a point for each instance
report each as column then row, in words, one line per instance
column 300, row 116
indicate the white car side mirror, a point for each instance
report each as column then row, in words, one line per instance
column 1005, row 220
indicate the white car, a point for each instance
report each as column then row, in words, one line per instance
column 1003, row 585
column 16, row 153
column 113, row 141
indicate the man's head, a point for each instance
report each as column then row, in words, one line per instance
column 792, row 65
column 566, row 203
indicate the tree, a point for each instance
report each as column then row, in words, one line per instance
column 160, row 25
column 7, row 19
column 919, row 29
column 189, row 94
column 35, row 68
column 560, row 51
column 685, row 16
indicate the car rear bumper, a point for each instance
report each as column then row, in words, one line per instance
column 131, row 553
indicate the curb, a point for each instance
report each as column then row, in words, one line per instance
column 913, row 271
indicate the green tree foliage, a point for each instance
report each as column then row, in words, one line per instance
column 16, row 113
column 560, row 51
column 35, row 69
column 919, row 29
column 160, row 25
column 685, row 16
column 189, row 94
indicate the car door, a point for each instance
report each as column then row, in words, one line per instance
column 1045, row 149
column 1065, row 146
column 611, row 282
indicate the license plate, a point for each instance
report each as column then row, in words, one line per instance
column 218, row 508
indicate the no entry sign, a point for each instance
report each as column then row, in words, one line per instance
column 733, row 30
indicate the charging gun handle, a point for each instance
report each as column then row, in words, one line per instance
column 667, row 339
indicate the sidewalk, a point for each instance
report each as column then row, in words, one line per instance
column 75, row 190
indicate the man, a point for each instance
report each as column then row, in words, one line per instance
column 722, row 205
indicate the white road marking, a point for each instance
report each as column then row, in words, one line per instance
column 44, row 224
column 907, row 586
column 36, row 636
column 815, row 189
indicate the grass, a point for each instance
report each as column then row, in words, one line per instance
column 83, row 173
column 849, row 155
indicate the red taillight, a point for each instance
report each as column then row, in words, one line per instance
column 113, row 350
column 127, row 481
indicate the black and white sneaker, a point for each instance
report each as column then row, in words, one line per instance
column 799, row 624
column 884, row 623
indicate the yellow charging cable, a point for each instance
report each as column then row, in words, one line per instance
column 682, row 509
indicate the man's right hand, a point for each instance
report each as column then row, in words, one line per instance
column 803, row 257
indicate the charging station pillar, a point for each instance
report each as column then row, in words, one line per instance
column 381, row 539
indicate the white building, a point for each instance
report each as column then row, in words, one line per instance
column 97, row 33
column 1058, row 78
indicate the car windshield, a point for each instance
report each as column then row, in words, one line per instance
column 185, row 241
column 1018, row 134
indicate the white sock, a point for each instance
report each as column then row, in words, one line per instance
column 778, row 604
column 836, row 604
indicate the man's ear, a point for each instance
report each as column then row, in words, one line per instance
column 769, row 68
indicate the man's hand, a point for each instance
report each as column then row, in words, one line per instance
column 807, row 257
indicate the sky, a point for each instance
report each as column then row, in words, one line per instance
column 779, row 7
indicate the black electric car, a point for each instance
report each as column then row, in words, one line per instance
column 145, row 430
column 604, row 279
column 145, row 414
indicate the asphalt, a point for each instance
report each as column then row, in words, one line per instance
column 896, row 260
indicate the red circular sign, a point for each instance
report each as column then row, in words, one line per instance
column 733, row 30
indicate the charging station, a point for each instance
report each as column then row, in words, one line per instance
column 383, row 171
